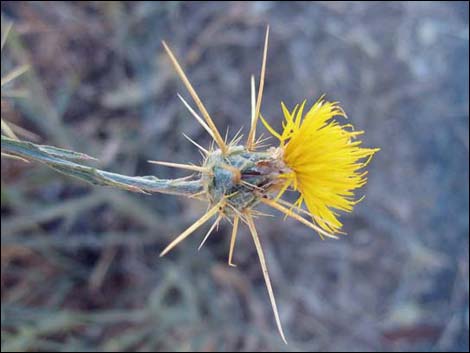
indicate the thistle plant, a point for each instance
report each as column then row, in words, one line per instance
column 317, row 157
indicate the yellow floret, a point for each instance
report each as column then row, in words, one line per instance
column 326, row 160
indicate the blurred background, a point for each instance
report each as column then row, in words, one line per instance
column 79, row 264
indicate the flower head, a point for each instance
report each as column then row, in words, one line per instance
column 325, row 159
column 317, row 157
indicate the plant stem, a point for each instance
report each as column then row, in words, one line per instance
column 65, row 161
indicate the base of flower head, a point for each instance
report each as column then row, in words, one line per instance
column 242, row 177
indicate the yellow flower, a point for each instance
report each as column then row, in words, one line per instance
column 325, row 159
column 317, row 156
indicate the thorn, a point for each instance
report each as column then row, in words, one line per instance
column 232, row 240
column 196, row 98
column 192, row 228
column 181, row 166
column 209, row 232
column 251, row 135
column 291, row 214
column 264, row 268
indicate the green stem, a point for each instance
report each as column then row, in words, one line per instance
column 65, row 161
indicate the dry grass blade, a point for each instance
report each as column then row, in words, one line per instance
column 14, row 74
column 7, row 130
column 12, row 156
column 5, row 34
